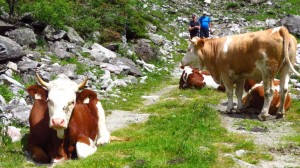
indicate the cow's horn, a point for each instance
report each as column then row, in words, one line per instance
column 43, row 83
column 82, row 84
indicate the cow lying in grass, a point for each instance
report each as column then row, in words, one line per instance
column 255, row 97
column 64, row 122
column 194, row 78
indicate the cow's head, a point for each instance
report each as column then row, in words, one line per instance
column 191, row 56
column 61, row 101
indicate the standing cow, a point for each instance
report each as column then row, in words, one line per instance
column 257, row 55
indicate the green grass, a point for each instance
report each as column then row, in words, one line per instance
column 183, row 130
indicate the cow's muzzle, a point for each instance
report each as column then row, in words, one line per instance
column 58, row 123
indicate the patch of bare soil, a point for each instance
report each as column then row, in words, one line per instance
column 119, row 119
column 269, row 137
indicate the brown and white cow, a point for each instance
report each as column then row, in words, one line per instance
column 59, row 100
column 194, row 78
column 257, row 55
column 255, row 97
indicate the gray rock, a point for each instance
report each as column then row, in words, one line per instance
column 23, row 36
column 144, row 50
column 27, row 65
column 74, row 37
column 2, row 100
column 127, row 65
column 10, row 81
column 54, row 35
column 5, row 26
column 292, row 23
column 61, row 48
column 9, row 49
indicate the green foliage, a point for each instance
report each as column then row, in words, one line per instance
column 55, row 12
column 6, row 93
column 231, row 5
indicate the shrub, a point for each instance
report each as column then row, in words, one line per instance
column 55, row 12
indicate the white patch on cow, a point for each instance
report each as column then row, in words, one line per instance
column 61, row 99
column 226, row 44
column 103, row 133
column 187, row 71
column 58, row 160
column 60, row 133
column 190, row 58
column 261, row 64
column 86, row 100
column 209, row 81
column 83, row 150
column 277, row 87
column 276, row 29
column 37, row 96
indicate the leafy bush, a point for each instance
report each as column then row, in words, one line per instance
column 55, row 12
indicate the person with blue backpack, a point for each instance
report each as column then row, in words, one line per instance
column 205, row 24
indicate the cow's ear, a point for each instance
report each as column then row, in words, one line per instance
column 32, row 90
column 200, row 43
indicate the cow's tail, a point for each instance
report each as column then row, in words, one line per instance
column 286, row 42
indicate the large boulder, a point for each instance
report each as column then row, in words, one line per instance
column 23, row 36
column 9, row 49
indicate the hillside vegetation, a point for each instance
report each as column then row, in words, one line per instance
column 184, row 130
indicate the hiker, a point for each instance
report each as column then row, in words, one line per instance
column 194, row 26
column 205, row 25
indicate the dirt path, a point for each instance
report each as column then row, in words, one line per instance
column 269, row 137
column 119, row 119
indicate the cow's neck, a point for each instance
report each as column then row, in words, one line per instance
column 209, row 56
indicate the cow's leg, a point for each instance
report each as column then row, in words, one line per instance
column 284, row 81
column 85, row 147
column 38, row 154
column 229, row 91
column 239, row 93
column 269, row 90
column 103, row 134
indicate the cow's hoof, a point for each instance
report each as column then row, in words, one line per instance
column 104, row 138
column 263, row 117
column 279, row 115
column 230, row 111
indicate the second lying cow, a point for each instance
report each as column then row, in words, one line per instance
column 255, row 97
column 194, row 78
